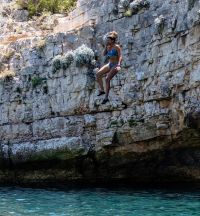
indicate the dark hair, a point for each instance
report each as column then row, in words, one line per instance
column 112, row 38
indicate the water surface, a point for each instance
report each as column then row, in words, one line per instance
column 98, row 202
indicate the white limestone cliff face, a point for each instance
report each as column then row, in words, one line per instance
column 150, row 127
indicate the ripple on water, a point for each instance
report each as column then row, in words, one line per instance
column 97, row 202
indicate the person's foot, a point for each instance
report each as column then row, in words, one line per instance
column 100, row 93
column 105, row 100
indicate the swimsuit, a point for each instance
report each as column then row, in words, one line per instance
column 111, row 53
column 112, row 65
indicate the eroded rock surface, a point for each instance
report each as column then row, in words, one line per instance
column 57, row 130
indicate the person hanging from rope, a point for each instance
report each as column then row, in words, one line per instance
column 113, row 52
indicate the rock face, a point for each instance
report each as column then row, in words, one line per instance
column 53, row 127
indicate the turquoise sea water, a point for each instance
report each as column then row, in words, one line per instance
column 97, row 202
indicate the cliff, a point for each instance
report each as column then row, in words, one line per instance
column 53, row 127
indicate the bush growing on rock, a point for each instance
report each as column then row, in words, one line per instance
column 132, row 7
column 36, row 7
column 138, row 5
column 36, row 81
column 159, row 23
column 83, row 56
column 128, row 13
column 67, row 59
column 62, row 62
column 56, row 63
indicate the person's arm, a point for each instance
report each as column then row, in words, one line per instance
column 105, row 51
column 118, row 48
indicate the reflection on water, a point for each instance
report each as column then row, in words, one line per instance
column 97, row 202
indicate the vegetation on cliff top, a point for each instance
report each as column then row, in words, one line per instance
column 36, row 7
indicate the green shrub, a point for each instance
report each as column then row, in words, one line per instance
column 128, row 13
column 132, row 122
column 83, row 56
column 18, row 90
column 159, row 23
column 62, row 62
column 36, row 7
column 139, row 4
column 56, row 63
column 36, row 81
column 133, row 7
column 67, row 60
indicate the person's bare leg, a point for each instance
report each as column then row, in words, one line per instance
column 105, row 69
column 109, row 76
